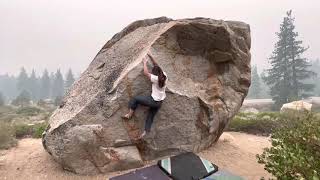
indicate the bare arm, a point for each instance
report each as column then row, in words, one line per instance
column 145, row 68
column 152, row 59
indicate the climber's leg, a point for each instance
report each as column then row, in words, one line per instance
column 143, row 100
column 152, row 112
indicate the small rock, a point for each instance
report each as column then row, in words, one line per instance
column 266, row 117
column 296, row 106
column 227, row 137
column 251, row 110
column 122, row 142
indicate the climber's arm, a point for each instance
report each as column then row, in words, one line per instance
column 145, row 68
column 153, row 61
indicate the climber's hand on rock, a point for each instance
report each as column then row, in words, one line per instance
column 145, row 60
column 152, row 59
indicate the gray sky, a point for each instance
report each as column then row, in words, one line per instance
column 68, row 33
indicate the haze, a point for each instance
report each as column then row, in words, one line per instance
column 68, row 34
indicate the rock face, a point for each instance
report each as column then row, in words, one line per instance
column 208, row 65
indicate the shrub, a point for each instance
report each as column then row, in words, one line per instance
column 34, row 130
column 38, row 129
column 23, row 99
column 7, row 114
column 58, row 101
column 5, row 109
column 7, row 136
column 41, row 103
column 22, row 130
column 261, row 123
column 316, row 109
column 28, row 111
column 295, row 151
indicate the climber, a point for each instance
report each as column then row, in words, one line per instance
column 159, row 80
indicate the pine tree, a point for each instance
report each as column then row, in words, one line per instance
column 265, row 89
column 69, row 79
column 23, row 81
column 8, row 86
column 315, row 67
column 316, row 80
column 45, row 85
column 2, row 100
column 51, row 78
column 34, row 85
column 288, row 67
column 23, row 99
column 255, row 88
column 58, row 85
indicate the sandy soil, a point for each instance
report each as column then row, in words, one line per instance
column 234, row 152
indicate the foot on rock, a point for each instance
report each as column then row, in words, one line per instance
column 126, row 117
column 142, row 135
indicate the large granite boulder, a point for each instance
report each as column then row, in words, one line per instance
column 208, row 65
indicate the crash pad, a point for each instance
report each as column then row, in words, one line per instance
column 147, row 173
column 223, row 175
column 187, row 166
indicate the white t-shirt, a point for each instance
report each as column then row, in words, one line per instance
column 158, row 94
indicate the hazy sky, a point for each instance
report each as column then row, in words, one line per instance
column 68, row 33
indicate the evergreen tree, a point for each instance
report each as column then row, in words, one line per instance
column 288, row 67
column 52, row 78
column 8, row 86
column 23, row 99
column 34, row 85
column 265, row 89
column 255, row 88
column 69, row 79
column 316, row 80
column 58, row 100
column 58, row 85
column 45, row 85
column 2, row 100
column 23, row 81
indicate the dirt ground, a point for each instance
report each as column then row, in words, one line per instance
column 234, row 152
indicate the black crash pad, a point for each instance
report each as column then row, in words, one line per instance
column 148, row 173
column 223, row 175
column 187, row 166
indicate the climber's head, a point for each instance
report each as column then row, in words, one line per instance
column 156, row 70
